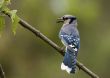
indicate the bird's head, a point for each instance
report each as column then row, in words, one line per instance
column 66, row 19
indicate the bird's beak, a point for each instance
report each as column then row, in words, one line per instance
column 60, row 20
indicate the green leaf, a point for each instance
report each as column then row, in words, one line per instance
column 2, row 23
column 7, row 2
column 1, row 3
column 4, row 3
column 13, row 14
column 14, row 24
column 15, row 20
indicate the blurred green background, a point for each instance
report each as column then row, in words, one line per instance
column 26, row 56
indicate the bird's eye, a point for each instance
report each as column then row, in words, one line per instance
column 66, row 18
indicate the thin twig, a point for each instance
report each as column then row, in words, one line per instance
column 2, row 74
column 55, row 46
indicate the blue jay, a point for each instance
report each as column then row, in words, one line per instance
column 69, row 36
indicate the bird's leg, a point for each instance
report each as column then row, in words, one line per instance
column 79, row 68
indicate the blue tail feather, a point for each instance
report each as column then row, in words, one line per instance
column 70, row 61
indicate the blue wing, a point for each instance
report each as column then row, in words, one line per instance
column 70, row 40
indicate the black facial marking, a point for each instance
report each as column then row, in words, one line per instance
column 72, row 19
column 65, row 18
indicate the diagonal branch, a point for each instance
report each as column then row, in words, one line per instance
column 55, row 46
column 52, row 44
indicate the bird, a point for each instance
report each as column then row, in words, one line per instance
column 69, row 36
